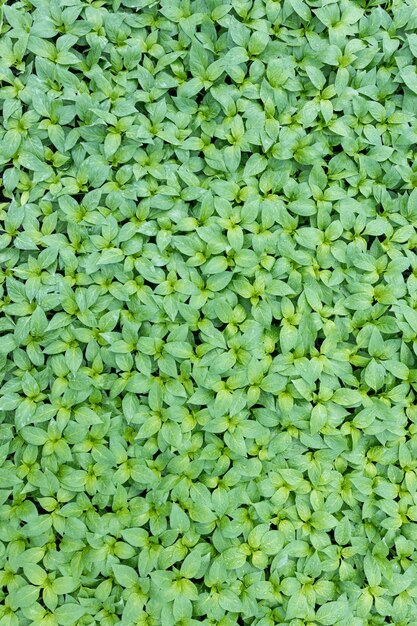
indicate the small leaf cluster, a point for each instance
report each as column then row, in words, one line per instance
column 208, row 313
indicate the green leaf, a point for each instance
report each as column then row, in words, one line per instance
column 347, row 397
column 191, row 564
column 23, row 597
column 409, row 76
column 318, row 418
column 333, row 612
column 111, row 255
column 64, row 584
column 125, row 576
column 322, row 520
column 372, row 570
column 229, row 601
column 272, row 542
column 233, row 558
column 374, row 375
column 69, row 613
column 254, row 165
column 297, row 606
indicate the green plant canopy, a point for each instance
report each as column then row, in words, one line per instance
column 208, row 313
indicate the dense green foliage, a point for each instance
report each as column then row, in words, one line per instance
column 208, row 295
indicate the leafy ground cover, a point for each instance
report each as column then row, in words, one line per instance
column 208, row 294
